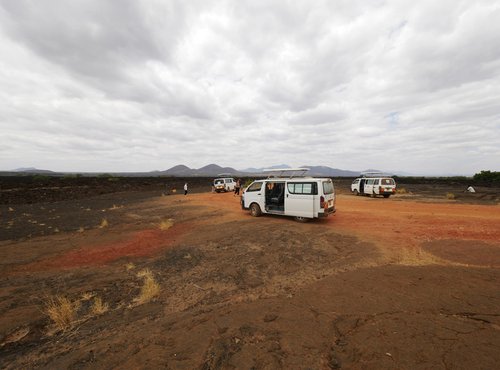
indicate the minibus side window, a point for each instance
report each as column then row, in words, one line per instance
column 302, row 188
column 375, row 182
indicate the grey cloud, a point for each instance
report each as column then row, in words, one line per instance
column 319, row 116
column 380, row 84
column 444, row 47
column 91, row 40
column 107, row 45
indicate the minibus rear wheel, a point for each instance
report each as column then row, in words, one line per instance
column 255, row 210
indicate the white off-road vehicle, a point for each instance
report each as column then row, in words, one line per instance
column 374, row 184
column 224, row 184
column 301, row 197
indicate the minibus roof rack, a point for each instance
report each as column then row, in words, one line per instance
column 375, row 174
column 286, row 172
column 224, row 175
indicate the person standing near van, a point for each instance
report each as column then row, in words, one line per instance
column 237, row 187
column 185, row 188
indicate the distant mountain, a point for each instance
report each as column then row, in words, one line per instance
column 214, row 170
column 401, row 173
column 252, row 170
column 259, row 170
column 31, row 170
column 209, row 170
column 313, row 171
column 179, row 170
column 330, row 172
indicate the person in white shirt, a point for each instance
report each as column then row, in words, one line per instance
column 185, row 188
column 470, row 189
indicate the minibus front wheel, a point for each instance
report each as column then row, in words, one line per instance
column 255, row 210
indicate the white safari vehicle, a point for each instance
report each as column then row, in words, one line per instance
column 374, row 184
column 224, row 184
column 301, row 197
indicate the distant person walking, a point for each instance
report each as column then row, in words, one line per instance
column 185, row 188
column 237, row 187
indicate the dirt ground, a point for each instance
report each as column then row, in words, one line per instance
column 409, row 282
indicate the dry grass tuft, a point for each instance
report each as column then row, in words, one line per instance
column 166, row 224
column 150, row 288
column 98, row 308
column 416, row 257
column 129, row 266
column 450, row 196
column 80, row 229
column 146, row 273
column 62, row 311
column 104, row 223
column 401, row 191
column 87, row 296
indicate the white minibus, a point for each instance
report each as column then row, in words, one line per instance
column 301, row 197
column 374, row 184
column 224, row 184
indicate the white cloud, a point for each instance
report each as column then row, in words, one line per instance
column 137, row 86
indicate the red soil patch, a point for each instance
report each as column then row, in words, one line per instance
column 392, row 223
column 141, row 244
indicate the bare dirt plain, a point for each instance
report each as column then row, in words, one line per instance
column 410, row 282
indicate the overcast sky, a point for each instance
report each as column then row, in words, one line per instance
column 145, row 85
